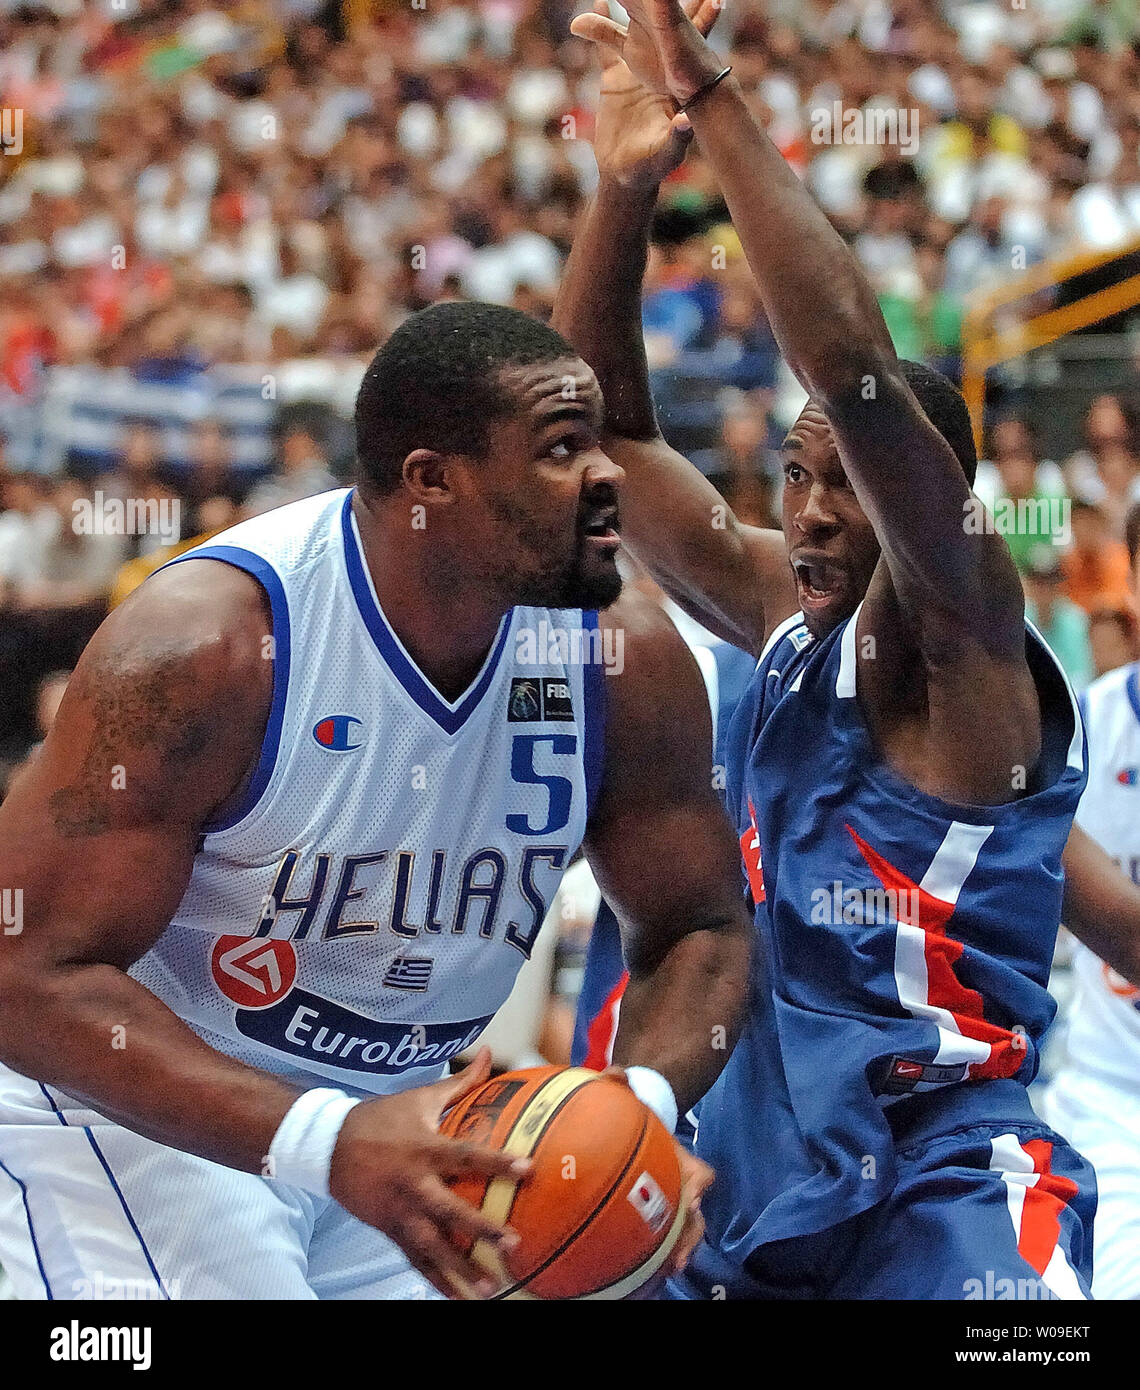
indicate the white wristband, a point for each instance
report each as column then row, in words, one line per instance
column 651, row 1088
column 302, row 1149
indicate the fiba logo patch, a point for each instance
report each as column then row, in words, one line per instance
column 1128, row 776
column 536, row 698
column 525, row 702
column 335, row 732
column 253, row 971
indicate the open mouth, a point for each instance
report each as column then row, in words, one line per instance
column 818, row 580
column 603, row 527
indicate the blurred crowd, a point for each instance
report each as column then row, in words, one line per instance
column 213, row 211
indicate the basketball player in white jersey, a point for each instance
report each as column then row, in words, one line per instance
column 296, row 826
column 1095, row 1098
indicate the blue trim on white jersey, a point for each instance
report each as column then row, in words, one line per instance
column 31, row 1230
column 270, row 581
column 126, row 1211
column 449, row 717
column 1132, row 685
column 62, row 1118
column 594, row 720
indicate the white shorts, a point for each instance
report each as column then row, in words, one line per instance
column 1102, row 1122
column 90, row 1210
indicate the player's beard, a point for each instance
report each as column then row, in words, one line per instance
column 528, row 576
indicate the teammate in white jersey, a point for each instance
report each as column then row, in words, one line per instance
column 1095, row 1098
column 297, row 823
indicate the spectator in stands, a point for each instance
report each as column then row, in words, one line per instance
column 745, row 472
column 296, row 297
column 982, row 255
column 209, row 474
column 267, row 173
column 1025, row 492
column 69, row 568
column 515, row 256
column 682, row 299
column 1106, row 213
column 737, row 347
column 1107, row 24
column 304, row 471
column 1062, row 623
column 1114, row 637
column 27, row 522
column 1107, row 470
column 1110, row 420
column 138, row 461
column 1096, row 570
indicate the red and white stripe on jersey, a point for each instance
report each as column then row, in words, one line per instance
column 750, row 853
column 1036, row 1199
column 603, row 1028
column 925, row 956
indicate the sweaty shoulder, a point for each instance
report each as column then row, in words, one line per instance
column 164, row 715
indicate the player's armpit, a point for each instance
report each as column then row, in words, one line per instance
column 666, row 858
column 160, row 722
column 732, row 578
column 1101, row 905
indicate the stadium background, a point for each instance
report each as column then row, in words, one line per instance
column 212, row 213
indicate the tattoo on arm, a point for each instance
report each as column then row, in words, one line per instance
column 146, row 710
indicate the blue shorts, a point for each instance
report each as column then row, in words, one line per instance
column 987, row 1212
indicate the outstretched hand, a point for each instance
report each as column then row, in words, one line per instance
column 639, row 139
column 663, row 45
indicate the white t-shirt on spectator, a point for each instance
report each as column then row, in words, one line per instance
column 526, row 258
column 1105, row 216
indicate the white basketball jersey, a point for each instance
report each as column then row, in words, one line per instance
column 362, row 914
column 1104, row 1025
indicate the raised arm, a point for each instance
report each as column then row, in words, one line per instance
column 832, row 334
column 731, row 577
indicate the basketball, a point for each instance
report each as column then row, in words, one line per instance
column 600, row 1210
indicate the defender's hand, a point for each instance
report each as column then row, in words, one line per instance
column 390, row 1169
column 696, row 1178
column 661, row 45
column 639, row 139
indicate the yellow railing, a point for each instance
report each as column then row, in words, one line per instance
column 984, row 346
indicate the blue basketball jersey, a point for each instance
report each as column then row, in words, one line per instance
column 903, row 944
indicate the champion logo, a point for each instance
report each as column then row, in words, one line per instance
column 1128, row 776
column 253, row 971
column 336, row 733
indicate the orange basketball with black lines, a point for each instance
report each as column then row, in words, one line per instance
column 600, row 1210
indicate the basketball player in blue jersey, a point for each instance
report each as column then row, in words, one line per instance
column 903, row 771
column 295, row 828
